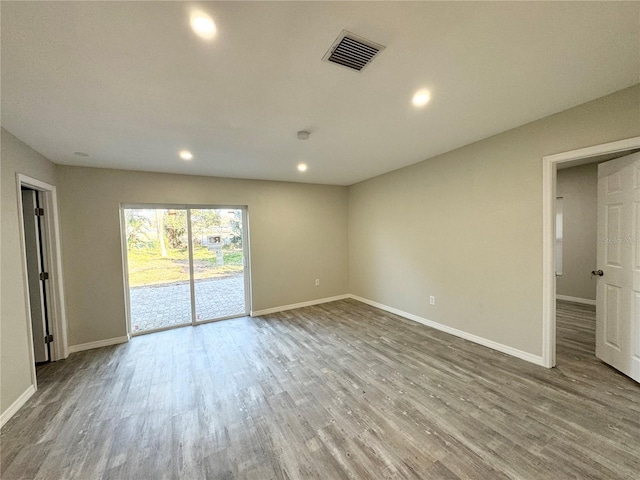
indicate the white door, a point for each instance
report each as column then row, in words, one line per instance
column 618, row 291
column 34, row 268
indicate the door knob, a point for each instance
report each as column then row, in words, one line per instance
column 599, row 273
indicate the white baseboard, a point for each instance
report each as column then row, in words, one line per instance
column 529, row 357
column 100, row 343
column 283, row 308
column 15, row 406
column 584, row 301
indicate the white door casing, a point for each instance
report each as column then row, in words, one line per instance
column 618, row 290
column 550, row 163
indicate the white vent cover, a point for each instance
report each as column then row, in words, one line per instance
column 352, row 51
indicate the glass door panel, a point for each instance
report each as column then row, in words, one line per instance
column 218, row 263
column 157, row 268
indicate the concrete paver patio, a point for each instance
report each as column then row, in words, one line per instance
column 158, row 306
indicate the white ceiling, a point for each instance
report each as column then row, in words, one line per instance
column 130, row 84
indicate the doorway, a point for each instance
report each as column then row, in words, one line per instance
column 37, row 272
column 595, row 154
column 42, row 267
column 575, row 254
column 184, row 265
column 597, row 311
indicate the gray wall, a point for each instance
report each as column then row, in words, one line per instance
column 298, row 233
column 15, row 363
column 578, row 186
column 466, row 226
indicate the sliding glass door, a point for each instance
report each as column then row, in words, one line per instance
column 218, row 263
column 184, row 265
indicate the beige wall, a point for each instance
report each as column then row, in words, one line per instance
column 578, row 186
column 15, row 366
column 298, row 233
column 466, row 226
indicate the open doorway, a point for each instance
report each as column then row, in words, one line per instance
column 184, row 265
column 37, row 272
column 42, row 267
column 575, row 254
column 572, row 322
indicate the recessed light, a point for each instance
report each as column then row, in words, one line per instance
column 302, row 167
column 186, row 155
column 203, row 26
column 421, row 98
column 81, row 154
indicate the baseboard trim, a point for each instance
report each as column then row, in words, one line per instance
column 100, row 343
column 529, row 357
column 17, row 405
column 584, row 301
column 267, row 311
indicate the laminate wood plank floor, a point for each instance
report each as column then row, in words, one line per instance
column 339, row 390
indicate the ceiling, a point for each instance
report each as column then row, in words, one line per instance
column 130, row 84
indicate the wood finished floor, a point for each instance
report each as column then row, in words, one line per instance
column 339, row 390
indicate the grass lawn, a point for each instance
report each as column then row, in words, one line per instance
column 147, row 267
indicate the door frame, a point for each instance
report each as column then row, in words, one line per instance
column 53, row 258
column 549, row 176
column 246, row 252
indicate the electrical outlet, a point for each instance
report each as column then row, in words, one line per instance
column 432, row 300
column 317, row 282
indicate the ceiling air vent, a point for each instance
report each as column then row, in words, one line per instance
column 352, row 51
